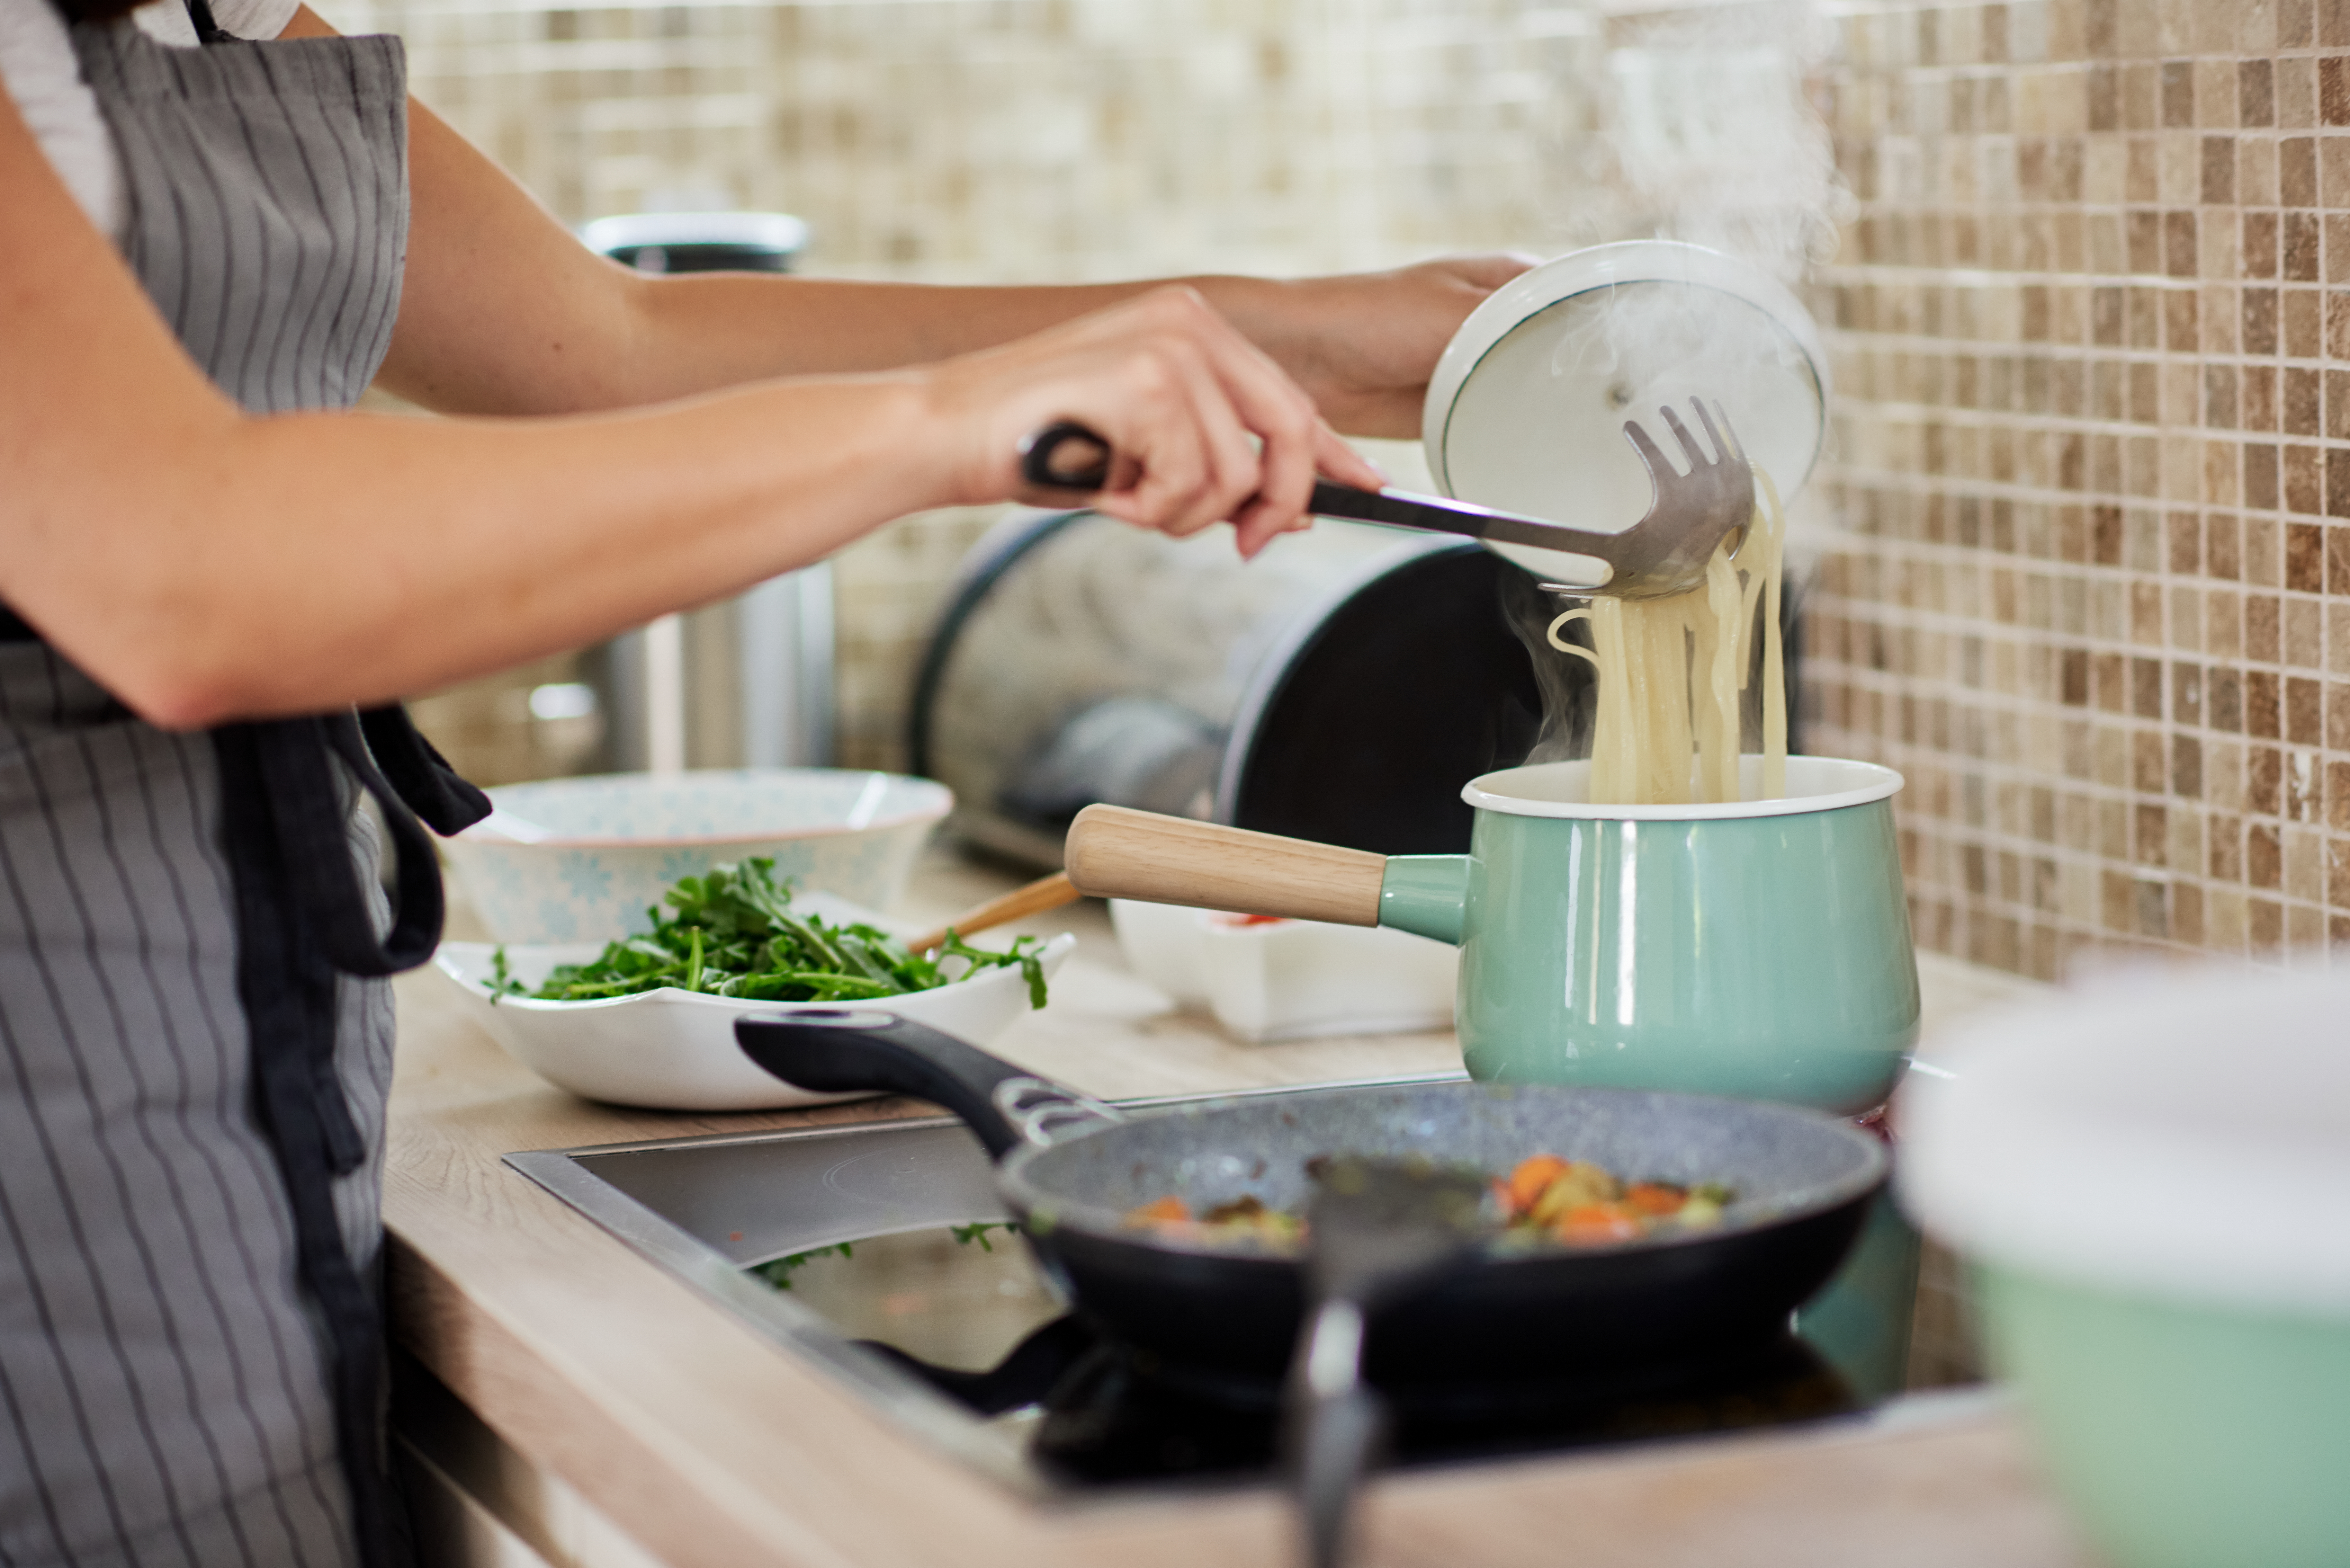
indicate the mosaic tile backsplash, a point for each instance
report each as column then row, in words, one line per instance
column 1015, row 140
column 2091, row 325
column 2082, row 565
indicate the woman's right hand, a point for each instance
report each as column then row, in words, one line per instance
column 1178, row 394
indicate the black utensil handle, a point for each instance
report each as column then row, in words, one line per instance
column 1336, row 1426
column 1039, row 453
column 1344, row 1434
column 852, row 1049
column 1402, row 509
column 1332, row 499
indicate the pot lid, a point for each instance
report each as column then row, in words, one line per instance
column 2184, row 1133
column 1526, row 411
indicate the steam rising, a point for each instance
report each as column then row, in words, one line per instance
column 1702, row 130
column 1706, row 133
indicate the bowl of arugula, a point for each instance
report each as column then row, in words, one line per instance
column 580, row 859
column 648, row 1020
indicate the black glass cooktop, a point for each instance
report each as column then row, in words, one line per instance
column 1094, row 1416
column 879, row 1252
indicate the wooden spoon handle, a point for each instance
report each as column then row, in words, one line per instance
column 1115, row 853
column 1045, row 893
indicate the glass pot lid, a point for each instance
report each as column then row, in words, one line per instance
column 1526, row 409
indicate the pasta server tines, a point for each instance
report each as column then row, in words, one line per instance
column 1664, row 553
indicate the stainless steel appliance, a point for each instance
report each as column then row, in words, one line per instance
column 1080, row 660
column 746, row 682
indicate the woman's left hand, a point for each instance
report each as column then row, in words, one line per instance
column 1363, row 344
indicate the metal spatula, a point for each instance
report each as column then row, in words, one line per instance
column 1664, row 553
column 1378, row 1230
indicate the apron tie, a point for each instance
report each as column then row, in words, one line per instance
column 304, row 918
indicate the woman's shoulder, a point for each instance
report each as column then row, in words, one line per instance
column 44, row 79
column 31, row 31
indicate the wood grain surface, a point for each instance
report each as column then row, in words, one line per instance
column 709, row 1446
column 1116, row 852
column 1043, row 894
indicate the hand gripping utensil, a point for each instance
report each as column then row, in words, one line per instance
column 1378, row 1231
column 1664, row 553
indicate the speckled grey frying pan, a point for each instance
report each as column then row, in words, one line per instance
column 1071, row 1169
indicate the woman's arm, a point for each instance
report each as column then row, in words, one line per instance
column 504, row 311
column 203, row 565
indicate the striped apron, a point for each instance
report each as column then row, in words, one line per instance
column 195, row 1038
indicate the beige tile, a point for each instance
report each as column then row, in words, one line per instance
column 2084, row 280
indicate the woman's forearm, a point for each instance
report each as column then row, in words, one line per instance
column 504, row 312
column 203, row 564
column 307, row 561
column 693, row 333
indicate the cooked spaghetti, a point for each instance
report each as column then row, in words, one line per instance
column 1673, row 674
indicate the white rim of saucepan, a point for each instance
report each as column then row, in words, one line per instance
column 1605, row 266
column 938, row 801
column 2181, row 1134
column 1877, row 783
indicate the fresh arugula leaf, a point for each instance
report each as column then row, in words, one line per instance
column 734, row 932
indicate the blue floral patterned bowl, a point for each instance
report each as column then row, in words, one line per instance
column 575, row 860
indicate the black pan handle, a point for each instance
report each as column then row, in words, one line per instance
column 853, row 1049
column 1066, row 455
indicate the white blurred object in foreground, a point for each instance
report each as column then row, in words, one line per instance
column 2151, row 1175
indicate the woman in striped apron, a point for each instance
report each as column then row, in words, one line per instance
column 215, row 582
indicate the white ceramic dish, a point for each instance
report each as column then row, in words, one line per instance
column 1289, row 980
column 580, row 860
column 674, row 1049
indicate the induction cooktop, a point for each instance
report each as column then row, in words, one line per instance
column 878, row 1251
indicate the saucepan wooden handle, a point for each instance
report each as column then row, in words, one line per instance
column 1115, row 853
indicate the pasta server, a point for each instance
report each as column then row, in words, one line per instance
column 1664, row 553
column 1380, row 1231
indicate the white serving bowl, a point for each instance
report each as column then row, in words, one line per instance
column 674, row 1049
column 580, row 860
column 1289, row 980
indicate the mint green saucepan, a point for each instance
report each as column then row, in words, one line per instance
column 1758, row 948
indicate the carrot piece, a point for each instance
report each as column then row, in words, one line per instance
column 1591, row 1222
column 1654, row 1199
column 1529, row 1178
column 1162, row 1211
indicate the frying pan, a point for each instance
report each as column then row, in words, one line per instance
column 1070, row 1169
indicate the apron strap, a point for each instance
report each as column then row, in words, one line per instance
column 209, row 31
column 304, row 918
column 420, row 773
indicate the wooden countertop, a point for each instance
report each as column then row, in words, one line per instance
column 707, row 1445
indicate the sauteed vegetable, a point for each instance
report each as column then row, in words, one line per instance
column 734, row 933
column 1545, row 1197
